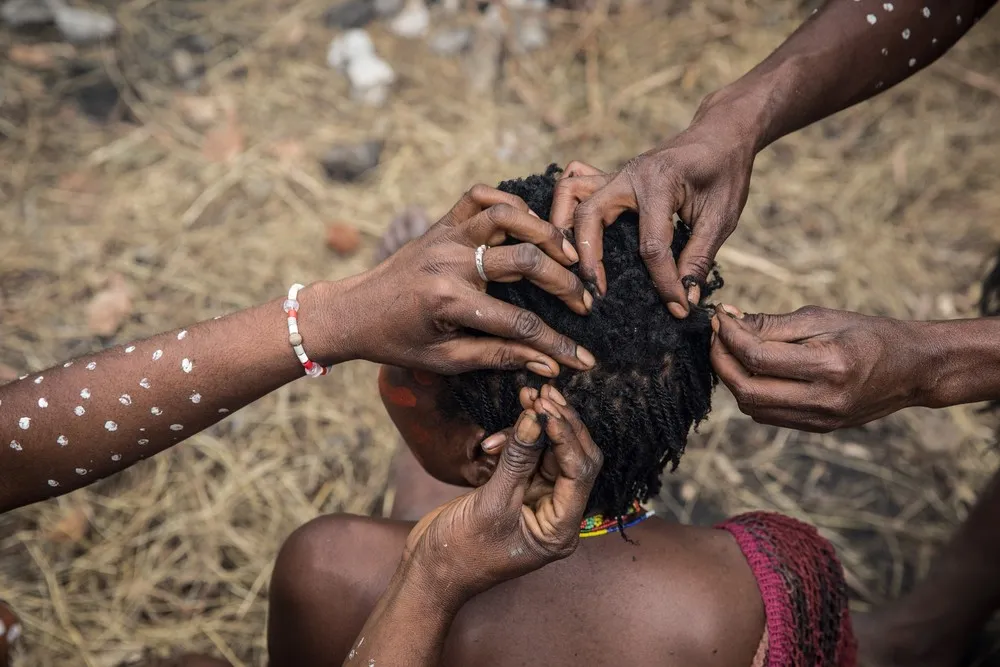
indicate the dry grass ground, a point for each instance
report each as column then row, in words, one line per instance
column 890, row 208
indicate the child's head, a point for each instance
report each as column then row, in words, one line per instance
column 652, row 382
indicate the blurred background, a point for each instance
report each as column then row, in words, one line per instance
column 166, row 161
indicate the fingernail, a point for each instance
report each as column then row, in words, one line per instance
column 539, row 369
column 584, row 355
column 732, row 311
column 694, row 294
column 570, row 251
column 532, row 393
column 493, row 442
column 677, row 310
column 556, row 396
column 533, row 213
column 715, row 325
column 527, row 430
column 588, row 299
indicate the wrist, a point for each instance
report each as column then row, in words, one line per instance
column 959, row 361
column 753, row 105
column 328, row 322
column 430, row 587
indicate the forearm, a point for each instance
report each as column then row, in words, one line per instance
column 65, row 427
column 847, row 52
column 409, row 624
column 958, row 361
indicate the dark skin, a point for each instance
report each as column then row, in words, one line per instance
column 68, row 426
column 679, row 595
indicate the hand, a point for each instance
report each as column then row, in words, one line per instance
column 417, row 305
column 817, row 369
column 702, row 174
column 527, row 515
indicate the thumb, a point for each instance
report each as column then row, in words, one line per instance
column 518, row 461
column 698, row 256
column 785, row 328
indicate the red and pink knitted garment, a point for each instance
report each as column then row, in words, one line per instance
column 805, row 595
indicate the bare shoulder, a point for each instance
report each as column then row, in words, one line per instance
column 327, row 578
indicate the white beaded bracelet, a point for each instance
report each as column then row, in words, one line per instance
column 291, row 306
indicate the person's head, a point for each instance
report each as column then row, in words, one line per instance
column 652, row 382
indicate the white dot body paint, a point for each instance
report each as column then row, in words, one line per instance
column 906, row 34
column 125, row 399
column 223, row 411
column 62, row 441
column 130, row 349
column 38, row 380
column 84, row 393
column 888, row 7
column 116, row 457
column 92, row 365
column 176, row 427
column 913, row 61
column 157, row 355
column 110, row 425
column 24, row 423
column 78, row 411
column 872, row 19
column 926, row 11
column 196, row 397
column 23, row 376
column 958, row 20
column 187, row 366
column 67, row 364
column 81, row 471
column 156, row 411
column 885, row 52
column 16, row 446
column 879, row 84
column 144, row 383
column 182, row 335
column 143, row 441
column 934, row 41
column 43, row 403
column 14, row 633
column 53, row 482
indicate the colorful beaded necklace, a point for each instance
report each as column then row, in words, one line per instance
column 597, row 525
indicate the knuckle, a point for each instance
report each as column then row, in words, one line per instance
column 747, row 399
column 585, row 211
column 503, row 359
column 528, row 259
column 755, row 359
column 502, row 213
column 837, row 368
column 809, row 311
column 653, row 249
column 479, row 192
column 527, row 325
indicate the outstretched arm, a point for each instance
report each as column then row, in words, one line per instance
column 846, row 52
column 64, row 427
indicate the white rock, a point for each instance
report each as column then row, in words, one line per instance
column 80, row 25
column 413, row 21
column 450, row 41
column 351, row 45
column 369, row 72
column 530, row 34
column 16, row 13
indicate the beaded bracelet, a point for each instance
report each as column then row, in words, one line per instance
column 291, row 306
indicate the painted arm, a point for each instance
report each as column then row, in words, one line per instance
column 847, row 52
column 65, row 427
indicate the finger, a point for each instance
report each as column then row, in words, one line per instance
column 508, row 264
column 492, row 316
column 573, row 419
column 698, row 256
column 496, row 223
column 568, row 193
column 770, row 358
column 469, row 353
column 800, row 325
column 577, row 470
column 479, row 198
column 656, row 236
column 577, row 168
column 518, row 461
column 589, row 220
column 527, row 396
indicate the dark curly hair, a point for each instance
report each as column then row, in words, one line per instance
column 653, row 378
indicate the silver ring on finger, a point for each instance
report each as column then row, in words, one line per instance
column 480, row 253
